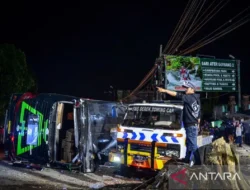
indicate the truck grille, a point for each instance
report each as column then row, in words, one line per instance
column 140, row 147
column 170, row 150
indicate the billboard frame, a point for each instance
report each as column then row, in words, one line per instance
column 236, row 69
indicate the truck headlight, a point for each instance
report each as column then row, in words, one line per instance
column 170, row 150
column 171, row 153
column 117, row 159
column 120, row 146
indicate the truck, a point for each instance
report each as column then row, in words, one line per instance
column 151, row 134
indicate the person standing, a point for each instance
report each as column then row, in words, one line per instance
column 243, row 129
column 216, row 133
column 238, row 131
column 191, row 118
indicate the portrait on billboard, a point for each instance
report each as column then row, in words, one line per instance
column 180, row 69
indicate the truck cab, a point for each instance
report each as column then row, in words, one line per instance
column 150, row 135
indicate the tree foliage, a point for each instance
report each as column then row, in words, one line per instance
column 15, row 76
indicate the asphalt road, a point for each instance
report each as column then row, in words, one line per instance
column 20, row 178
column 24, row 178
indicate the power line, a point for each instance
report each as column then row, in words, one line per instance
column 183, row 33
column 205, row 12
column 182, row 41
column 182, row 24
column 179, row 24
column 187, row 20
column 204, row 21
column 204, row 38
column 220, row 34
column 135, row 92
column 143, row 82
column 144, row 86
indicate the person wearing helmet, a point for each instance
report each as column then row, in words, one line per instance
column 191, row 118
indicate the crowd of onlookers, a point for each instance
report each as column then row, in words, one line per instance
column 233, row 130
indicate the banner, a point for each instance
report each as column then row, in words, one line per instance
column 180, row 69
column 206, row 74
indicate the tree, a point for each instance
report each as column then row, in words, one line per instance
column 15, row 76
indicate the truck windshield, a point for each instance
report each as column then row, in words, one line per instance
column 153, row 117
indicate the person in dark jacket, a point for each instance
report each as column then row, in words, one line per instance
column 191, row 118
column 229, row 132
column 216, row 133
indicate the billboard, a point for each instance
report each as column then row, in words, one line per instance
column 206, row 74
column 180, row 69
column 219, row 75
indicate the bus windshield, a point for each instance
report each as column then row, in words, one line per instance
column 153, row 117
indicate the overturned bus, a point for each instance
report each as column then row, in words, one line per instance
column 57, row 129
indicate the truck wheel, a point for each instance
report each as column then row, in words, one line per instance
column 127, row 171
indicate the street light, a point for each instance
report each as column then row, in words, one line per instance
column 231, row 56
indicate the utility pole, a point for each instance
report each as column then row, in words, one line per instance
column 160, row 54
column 156, row 82
column 159, row 67
column 158, row 76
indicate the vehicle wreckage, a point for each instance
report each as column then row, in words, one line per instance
column 56, row 129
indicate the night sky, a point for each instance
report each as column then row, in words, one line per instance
column 78, row 48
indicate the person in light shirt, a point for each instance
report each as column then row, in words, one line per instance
column 238, row 131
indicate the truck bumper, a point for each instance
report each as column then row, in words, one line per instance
column 132, row 160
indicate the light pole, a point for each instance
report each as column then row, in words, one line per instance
column 231, row 56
